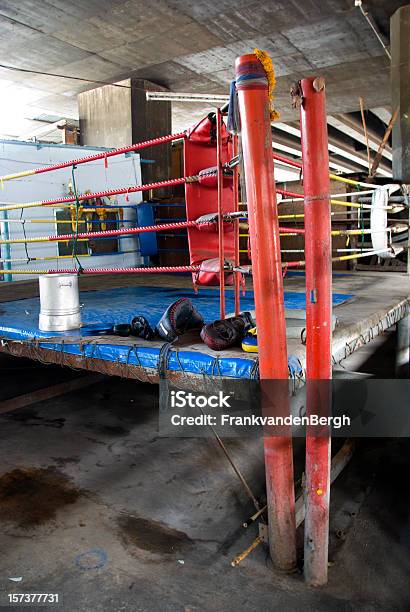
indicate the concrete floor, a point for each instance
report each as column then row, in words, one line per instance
column 112, row 517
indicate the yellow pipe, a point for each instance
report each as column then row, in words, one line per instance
column 302, row 215
column 13, row 272
column 340, row 257
column 47, row 258
column 346, row 204
column 301, row 263
column 299, row 216
column 61, row 221
column 15, row 206
column 19, row 206
column 39, row 204
column 239, row 558
column 10, row 177
column 40, row 239
column 334, row 177
column 348, row 181
column 82, row 220
column 353, row 256
column 247, row 235
column 354, row 232
column 332, row 201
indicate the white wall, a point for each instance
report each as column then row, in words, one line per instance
column 16, row 156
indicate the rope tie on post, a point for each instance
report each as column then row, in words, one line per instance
column 252, row 80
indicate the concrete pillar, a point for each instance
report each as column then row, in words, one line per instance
column 117, row 116
column 403, row 348
column 400, row 91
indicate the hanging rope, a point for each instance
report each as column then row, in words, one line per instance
column 77, row 207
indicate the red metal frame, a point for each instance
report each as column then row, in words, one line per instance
column 237, row 277
column 201, row 197
column 318, row 253
column 221, row 237
column 269, row 300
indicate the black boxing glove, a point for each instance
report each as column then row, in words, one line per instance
column 178, row 318
column 225, row 333
column 141, row 328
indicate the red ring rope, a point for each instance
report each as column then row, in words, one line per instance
column 290, row 194
column 143, row 230
column 112, row 192
column 105, row 154
column 286, row 160
column 155, row 270
column 125, row 231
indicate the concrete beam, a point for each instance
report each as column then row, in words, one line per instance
column 44, row 129
column 400, row 91
column 348, row 125
column 338, row 148
column 288, row 145
column 384, row 114
column 105, row 115
column 151, row 121
column 112, row 116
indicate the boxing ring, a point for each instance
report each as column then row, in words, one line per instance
column 136, row 357
column 366, row 304
column 219, row 155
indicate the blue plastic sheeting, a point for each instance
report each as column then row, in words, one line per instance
column 102, row 309
column 148, row 241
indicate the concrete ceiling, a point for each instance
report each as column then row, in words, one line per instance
column 184, row 45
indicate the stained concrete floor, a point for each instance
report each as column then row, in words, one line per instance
column 98, row 508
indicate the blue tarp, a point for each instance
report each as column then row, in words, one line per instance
column 102, row 309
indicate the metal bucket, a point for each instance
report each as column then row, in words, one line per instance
column 59, row 302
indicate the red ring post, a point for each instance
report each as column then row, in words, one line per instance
column 269, row 299
column 318, row 253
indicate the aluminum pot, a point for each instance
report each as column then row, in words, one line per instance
column 59, row 302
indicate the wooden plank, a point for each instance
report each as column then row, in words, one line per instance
column 27, row 399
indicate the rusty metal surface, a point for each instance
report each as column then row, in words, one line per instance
column 108, row 368
column 318, row 255
column 256, row 140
